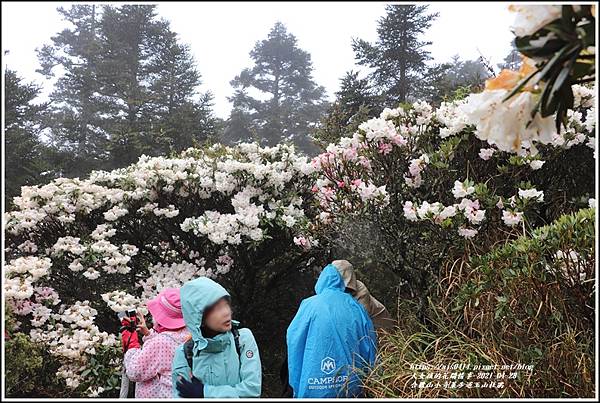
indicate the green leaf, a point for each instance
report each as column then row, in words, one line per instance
column 554, row 88
column 552, row 63
column 561, row 80
column 551, row 46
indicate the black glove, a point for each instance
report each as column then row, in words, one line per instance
column 195, row 388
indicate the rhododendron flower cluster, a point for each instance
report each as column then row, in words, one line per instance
column 21, row 273
column 306, row 242
column 73, row 337
column 505, row 124
column 471, row 211
column 120, row 301
column 172, row 275
column 248, row 190
column 415, row 168
column 468, row 210
column 347, row 168
column 343, row 178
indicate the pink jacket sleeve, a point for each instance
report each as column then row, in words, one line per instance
column 156, row 356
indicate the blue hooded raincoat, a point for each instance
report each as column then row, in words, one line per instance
column 330, row 341
column 216, row 362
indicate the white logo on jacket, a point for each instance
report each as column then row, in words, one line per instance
column 328, row 365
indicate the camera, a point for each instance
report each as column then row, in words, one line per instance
column 131, row 315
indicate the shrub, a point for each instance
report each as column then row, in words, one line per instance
column 527, row 302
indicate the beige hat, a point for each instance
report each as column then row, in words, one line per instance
column 346, row 270
column 376, row 310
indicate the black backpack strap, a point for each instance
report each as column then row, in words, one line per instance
column 188, row 347
column 188, row 350
column 236, row 339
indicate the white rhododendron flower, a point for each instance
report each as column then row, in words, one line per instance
column 31, row 266
column 378, row 128
column 95, row 392
column 115, row 213
column 170, row 211
column 426, row 210
column 447, row 212
column 423, row 111
column 460, row 190
column 28, row 247
column 305, row 243
column 289, row 220
column 103, row 231
column 391, row 113
column 41, row 314
column 537, row 195
column 91, row 274
column 18, row 288
column 467, row 233
column 505, row 124
column 68, row 244
column 583, row 96
column 409, row 211
column 370, row 192
column 512, row 218
column 536, row 164
column 452, row 117
column 120, row 301
column 174, row 275
column 415, row 168
column 468, row 205
column 486, row 153
column 76, row 266
column 475, row 216
column 529, row 18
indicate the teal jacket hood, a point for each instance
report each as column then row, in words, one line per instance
column 215, row 361
column 196, row 296
column 329, row 279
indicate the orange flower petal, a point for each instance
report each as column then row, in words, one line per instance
column 506, row 80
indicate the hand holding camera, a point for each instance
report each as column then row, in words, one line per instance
column 128, row 320
column 142, row 327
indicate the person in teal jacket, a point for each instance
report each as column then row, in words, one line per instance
column 331, row 342
column 218, row 371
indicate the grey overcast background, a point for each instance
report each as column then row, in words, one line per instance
column 221, row 35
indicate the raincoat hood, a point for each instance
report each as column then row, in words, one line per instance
column 346, row 270
column 196, row 296
column 329, row 279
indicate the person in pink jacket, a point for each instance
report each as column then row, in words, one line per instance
column 150, row 366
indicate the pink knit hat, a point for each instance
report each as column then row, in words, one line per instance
column 166, row 309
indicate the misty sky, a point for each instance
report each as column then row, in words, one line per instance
column 221, row 35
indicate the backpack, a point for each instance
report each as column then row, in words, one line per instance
column 188, row 347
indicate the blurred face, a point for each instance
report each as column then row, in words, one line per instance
column 218, row 317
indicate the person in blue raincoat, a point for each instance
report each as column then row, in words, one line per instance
column 218, row 370
column 330, row 342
